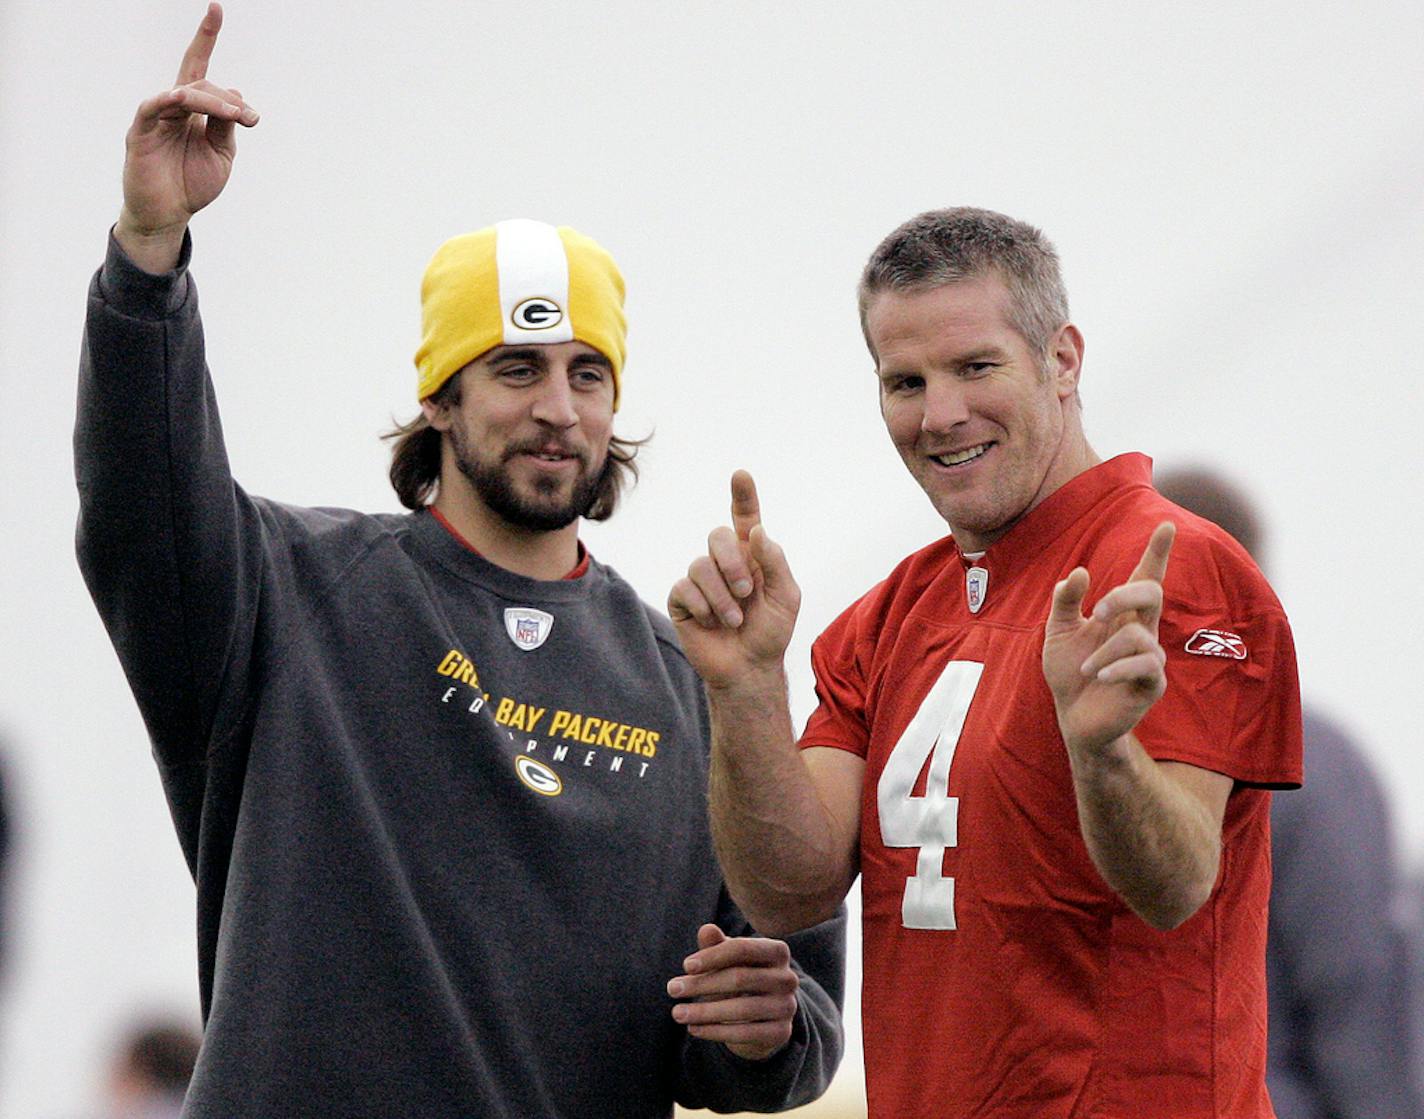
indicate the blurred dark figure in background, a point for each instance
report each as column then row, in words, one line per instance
column 1339, row 1039
column 6, row 843
column 150, row 1071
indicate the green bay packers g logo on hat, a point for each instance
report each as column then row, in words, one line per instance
column 519, row 282
column 537, row 314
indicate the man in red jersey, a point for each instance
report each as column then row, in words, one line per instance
column 1065, row 860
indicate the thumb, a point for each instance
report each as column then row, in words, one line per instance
column 709, row 936
column 1068, row 595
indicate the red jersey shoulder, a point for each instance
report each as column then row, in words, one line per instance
column 1216, row 604
column 1207, row 566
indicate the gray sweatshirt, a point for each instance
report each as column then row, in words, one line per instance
column 447, row 824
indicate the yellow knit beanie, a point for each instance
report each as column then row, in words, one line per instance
column 516, row 283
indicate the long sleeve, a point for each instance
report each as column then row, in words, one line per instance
column 170, row 548
column 713, row 1077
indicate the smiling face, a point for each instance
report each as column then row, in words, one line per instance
column 529, row 432
column 987, row 426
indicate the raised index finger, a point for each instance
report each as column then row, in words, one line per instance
column 746, row 509
column 1153, row 564
column 194, row 66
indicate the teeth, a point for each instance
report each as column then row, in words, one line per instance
column 961, row 456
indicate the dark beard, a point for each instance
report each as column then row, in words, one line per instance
column 493, row 486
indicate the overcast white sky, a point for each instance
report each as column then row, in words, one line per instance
column 1235, row 190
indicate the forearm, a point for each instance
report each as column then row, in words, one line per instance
column 783, row 851
column 144, row 406
column 139, row 326
column 1153, row 841
column 158, row 516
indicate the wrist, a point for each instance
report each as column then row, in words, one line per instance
column 759, row 684
column 155, row 250
column 1115, row 752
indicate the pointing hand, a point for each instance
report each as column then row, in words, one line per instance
column 179, row 154
column 1106, row 670
column 735, row 610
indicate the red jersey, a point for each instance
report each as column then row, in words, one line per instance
column 1003, row 976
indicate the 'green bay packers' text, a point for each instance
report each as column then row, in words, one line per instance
column 459, row 667
column 571, row 726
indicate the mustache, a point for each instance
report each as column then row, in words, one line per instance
column 544, row 447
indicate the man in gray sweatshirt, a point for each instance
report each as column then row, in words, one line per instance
column 440, row 776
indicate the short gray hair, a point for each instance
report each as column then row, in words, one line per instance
column 944, row 246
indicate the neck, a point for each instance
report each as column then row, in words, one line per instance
column 1077, row 457
column 532, row 553
column 1074, row 457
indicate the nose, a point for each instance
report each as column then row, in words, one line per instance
column 554, row 403
column 945, row 405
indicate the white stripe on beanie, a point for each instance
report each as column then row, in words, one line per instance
column 533, row 282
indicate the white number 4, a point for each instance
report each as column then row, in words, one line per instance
column 929, row 822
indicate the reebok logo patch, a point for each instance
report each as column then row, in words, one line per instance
column 1216, row 643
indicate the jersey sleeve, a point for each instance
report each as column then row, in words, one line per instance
column 1232, row 703
column 840, row 719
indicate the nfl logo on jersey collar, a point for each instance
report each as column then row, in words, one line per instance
column 976, row 587
column 527, row 628
column 976, row 581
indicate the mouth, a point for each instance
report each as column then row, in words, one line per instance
column 550, row 455
column 961, row 458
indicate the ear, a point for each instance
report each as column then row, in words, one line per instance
column 436, row 415
column 1065, row 362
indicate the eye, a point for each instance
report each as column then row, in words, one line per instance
column 897, row 385
column 518, row 373
column 978, row 368
column 588, row 376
